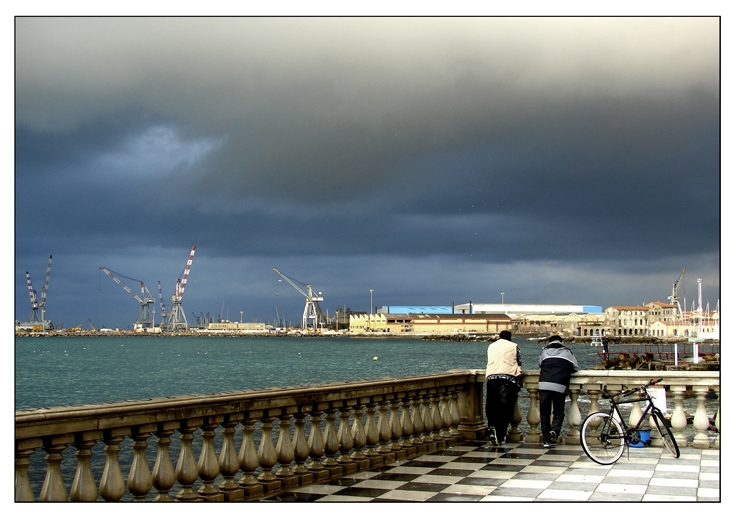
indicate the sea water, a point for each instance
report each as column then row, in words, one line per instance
column 64, row 371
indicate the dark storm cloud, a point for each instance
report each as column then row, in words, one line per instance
column 432, row 145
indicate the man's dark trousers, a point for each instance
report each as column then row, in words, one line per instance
column 556, row 401
column 501, row 394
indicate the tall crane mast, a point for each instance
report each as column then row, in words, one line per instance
column 673, row 298
column 163, row 307
column 177, row 318
column 145, row 317
column 35, row 303
column 44, row 289
column 312, row 310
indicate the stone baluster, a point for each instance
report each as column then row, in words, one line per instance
column 228, row 460
column 186, row 470
column 455, row 413
column 445, row 415
column 718, row 426
column 248, row 459
column 112, row 485
column 593, row 391
column 574, row 417
column 266, row 452
column 140, row 481
column 395, row 425
column 358, row 433
column 285, row 448
column 533, row 435
column 163, row 472
column 427, row 421
column 344, row 436
column 417, row 425
column 635, row 413
column 372, row 430
column 405, row 421
column 678, row 420
column 301, row 448
column 23, row 490
column 437, row 420
column 53, row 489
column 701, row 419
column 208, row 467
column 84, row 488
column 515, row 434
column 330, row 436
column 316, row 442
column 385, row 432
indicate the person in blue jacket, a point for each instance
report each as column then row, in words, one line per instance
column 557, row 363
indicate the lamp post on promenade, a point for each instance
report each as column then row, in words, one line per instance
column 371, row 305
column 502, row 298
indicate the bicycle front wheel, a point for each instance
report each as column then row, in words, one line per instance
column 602, row 438
column 668, row 439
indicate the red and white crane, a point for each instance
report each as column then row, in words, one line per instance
column 35, row 303
column 177, row 318
column 145, row 317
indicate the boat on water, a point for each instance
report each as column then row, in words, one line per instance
column 596, row 341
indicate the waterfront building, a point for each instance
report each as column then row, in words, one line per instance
column 235, row 327
column 627, row 320
column 518, row 309
column 426, row 323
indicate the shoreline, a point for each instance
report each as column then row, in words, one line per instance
column 298, row 333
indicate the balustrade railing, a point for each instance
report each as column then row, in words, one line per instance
column 245, row 446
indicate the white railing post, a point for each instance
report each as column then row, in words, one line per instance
column 701, row 418
column 678, row 419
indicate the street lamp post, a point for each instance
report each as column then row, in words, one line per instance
column 371, row 305
column 502, row 298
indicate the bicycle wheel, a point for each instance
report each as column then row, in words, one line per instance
column 602, row 438
column 665, row 433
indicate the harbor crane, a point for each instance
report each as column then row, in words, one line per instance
column 163, row 306
column 312, row 309
column 37, row 305
column 177, row 318
column 145, row 317
column 673, row 298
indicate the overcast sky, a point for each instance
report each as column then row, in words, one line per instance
column 433, row 160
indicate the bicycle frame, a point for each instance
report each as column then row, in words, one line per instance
column 648, row 409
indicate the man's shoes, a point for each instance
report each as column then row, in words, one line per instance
column 553, row 440
column 492, row 436
column 546, row 444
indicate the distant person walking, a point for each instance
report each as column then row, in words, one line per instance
column 557, row 363
column 503, row 382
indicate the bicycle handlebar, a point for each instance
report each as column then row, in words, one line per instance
column 625, row 393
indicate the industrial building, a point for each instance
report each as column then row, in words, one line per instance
column 482, row 318
column 429, row 323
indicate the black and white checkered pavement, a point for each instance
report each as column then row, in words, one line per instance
column 477, row 472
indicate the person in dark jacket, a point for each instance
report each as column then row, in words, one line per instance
column 557, row 363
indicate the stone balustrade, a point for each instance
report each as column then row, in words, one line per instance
column 248, row 445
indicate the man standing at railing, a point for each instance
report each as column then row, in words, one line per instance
column 503, row 368
column 557, row 363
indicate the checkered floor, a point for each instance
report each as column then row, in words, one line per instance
column 477, row 472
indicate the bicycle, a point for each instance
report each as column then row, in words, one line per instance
column 603, row 435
